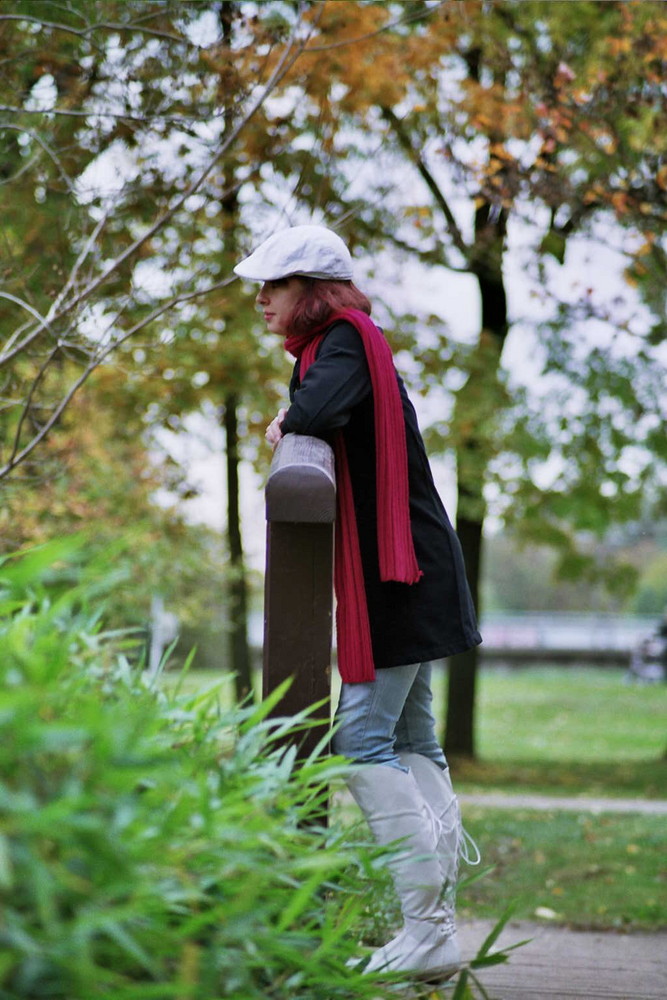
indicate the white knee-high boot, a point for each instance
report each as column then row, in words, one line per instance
column 436, row 787
column 395, row 810
column 452, row 841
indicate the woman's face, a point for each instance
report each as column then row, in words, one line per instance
column 277, row 300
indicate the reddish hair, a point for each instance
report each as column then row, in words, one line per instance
column 322, row 297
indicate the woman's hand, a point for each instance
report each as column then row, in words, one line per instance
column 273, row 431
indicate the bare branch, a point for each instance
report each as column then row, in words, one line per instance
column 12, row 352
column 45, row 146
column 290, row 54
column 70, row 299
column 428, row 178
column 434, row 258
column 24, row 169
column 27, row 405
column 19, row 456
column 78, row 264
column 98, row 26
column 115, row 115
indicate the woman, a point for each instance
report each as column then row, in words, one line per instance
column 401, row 591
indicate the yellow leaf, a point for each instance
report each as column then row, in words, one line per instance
column 644, row 249
column 619, row 200
column 617, row 46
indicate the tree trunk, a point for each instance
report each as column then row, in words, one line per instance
column 460, row 724
column 474, row 411
column 239, row 650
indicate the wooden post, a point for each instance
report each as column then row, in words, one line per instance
column 300, row 514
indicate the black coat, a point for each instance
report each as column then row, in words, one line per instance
column 410, row 623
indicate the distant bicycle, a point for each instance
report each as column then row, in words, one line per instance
column 648, row 661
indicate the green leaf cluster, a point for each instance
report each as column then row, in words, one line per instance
column 152, row 844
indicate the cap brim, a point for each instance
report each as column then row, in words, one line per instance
column 256, row 274
column 249, row 269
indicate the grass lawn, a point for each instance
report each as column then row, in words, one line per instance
column 567, row 714
column 585, row 870
column 566, row 732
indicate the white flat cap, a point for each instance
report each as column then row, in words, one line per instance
column 311, row 251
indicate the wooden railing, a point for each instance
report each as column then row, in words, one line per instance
column 300, row 514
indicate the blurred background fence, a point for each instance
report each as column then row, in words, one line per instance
column 580, row 639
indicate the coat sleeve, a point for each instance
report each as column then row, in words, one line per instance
column 336, row 381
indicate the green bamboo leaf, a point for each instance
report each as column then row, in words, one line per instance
column 497, row 930
column 8, row 606
column 124, row 940
column 472, row 877
column 299, row 901
column 338, row 926
column 28, row 566
column 258, row 713
column 495, row 958
column 462, row 992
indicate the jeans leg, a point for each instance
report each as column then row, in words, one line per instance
column 367, row 714
column 415, row 729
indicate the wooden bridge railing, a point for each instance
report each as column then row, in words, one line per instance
column 300, row 513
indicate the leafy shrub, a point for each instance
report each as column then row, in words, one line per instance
column 153, row 845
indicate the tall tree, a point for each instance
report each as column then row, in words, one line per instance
column 512, row 121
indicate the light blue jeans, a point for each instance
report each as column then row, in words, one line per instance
column 376, row 721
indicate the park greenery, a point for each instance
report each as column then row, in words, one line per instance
column 158, row 840
column 585, row 870
column 153, row 843
column 146, row 145
column 579, row 734
column 520, row 576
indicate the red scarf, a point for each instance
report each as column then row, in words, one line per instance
column 395, row 546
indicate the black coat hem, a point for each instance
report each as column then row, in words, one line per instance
column 440, row 653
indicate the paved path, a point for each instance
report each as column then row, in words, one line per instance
column 498, row 800
column 560, row 964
